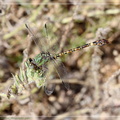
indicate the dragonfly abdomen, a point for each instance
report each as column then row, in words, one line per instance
column 95, row 43
column 100, row 42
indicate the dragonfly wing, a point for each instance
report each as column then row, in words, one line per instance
column 48, row 87
column 61, row 71
column 51, row 39
column 50, row 91
column 34, row 37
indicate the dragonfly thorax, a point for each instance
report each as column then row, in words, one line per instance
column 41, row 59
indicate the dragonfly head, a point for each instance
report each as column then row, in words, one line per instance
column 32, row 64
column 29, row 63
column 30, row 60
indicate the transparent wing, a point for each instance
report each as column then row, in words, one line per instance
column 33, row 37
column 62, row 72
column 48, row 39
column 49, row 76
column 56, row 69
column 50, row 91
column 51, row 38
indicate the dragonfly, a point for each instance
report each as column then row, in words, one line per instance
column 38, row 63
column 40, row 60
column 37, row 69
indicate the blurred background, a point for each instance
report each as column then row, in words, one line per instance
column 92, row 73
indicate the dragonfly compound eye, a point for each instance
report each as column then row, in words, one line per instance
column 30, row 60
